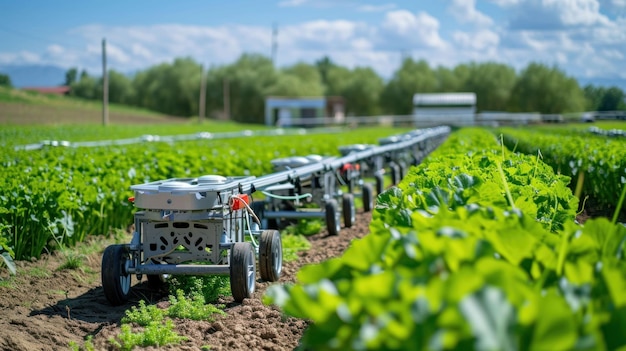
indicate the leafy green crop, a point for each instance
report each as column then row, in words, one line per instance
column 477, row 248
column 5, row 250
column 597, row 162
column 56, row 196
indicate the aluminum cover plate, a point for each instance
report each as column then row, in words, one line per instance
column 202, row 193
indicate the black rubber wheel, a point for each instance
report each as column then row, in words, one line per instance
column 242, row 270
column 332, row 217
column 115, row 280
column 417, row 159
column 270, row 255
column 348, row 210
column 402, row 167
column 367, row 195
column 395, row 174
column 380, row 183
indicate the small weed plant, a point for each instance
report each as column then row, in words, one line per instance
column 88, row 346
column 209, row 287
column 157, row 329
column 72, row 261
column 193, row 308
column 292, row 244
column 305, row 227
column 156, row 333
column 144, row 314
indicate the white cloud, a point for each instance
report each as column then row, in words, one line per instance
column 613, row 54
column 613, row 34
column 319, row 35
column 556, row 14
column 577, row 12
column 465, row 12
column 55, row 49
column 613, row 8
column 141, row 51
column 481, row 40
column 362, row 44
column 505, row 3
column 421, row 30
column 379, row 8
column 22, row 57
column 292, row 3
column 577, row 35
column 117, row 54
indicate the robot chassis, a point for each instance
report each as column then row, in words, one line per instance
column 209, row 225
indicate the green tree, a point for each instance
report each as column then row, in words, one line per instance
column 448, row 81
column 411, row 78
column 337, row 78
column 594, row 96
column 120, row 88
column 249, row 79
column 612, row 100
column 252, row 75
column 309, row 74
column 70, row 76
column 169, row 88
column 362, row 92
column 297, row 81
column 324, row 66
column 546, row 90
column 360, row 87
column 5, row 80
column 492, row 82
column 86, row 87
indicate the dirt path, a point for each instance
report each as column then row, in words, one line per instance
column 45, row 308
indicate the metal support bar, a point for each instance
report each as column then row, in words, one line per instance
column 335, row 163
column 181, row 269
column 293, row 214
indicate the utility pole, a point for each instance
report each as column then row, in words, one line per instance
column 274, row 43
column 202, row 104
column 226, row 99
column 105, row 85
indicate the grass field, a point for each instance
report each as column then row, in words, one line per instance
column 19, row 107
column 30, row 117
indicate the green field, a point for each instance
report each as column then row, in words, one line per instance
column 18, row 107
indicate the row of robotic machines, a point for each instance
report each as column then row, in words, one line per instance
column 211, row 225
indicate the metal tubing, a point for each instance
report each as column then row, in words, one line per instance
column 181, row 269
column 293, row 214
column 335, row 163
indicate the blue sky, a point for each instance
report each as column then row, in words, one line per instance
column 585, row 38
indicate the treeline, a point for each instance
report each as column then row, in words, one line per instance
column 174, row 88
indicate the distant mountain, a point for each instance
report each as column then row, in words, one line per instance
column 34, row 75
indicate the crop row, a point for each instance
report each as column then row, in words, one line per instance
column 477, row 248
column 11, row 136
column 597, row 164
column 57, row 196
